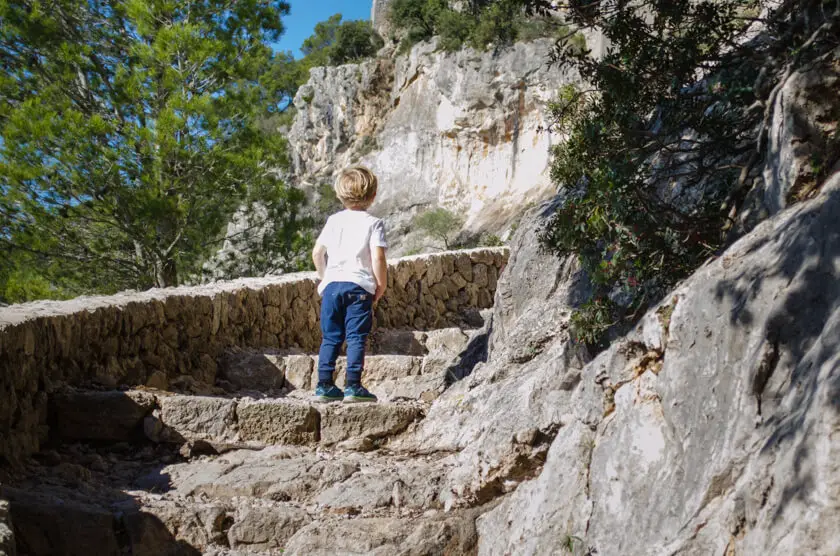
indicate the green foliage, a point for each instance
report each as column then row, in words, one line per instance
column 130, row 136
column 629, row 239
column 417, row 18
column 440, row 224
column 490, row 240
column 496, row 22
column 22, row 280
column 455, row 29
column 592, row 321
column 367, row 145
column 570, row 542
column 328, row 202
column 333, row 43
column 355, row 40
column 282, row 79
column 337, row 42
column 473, row 241
column 666, row 110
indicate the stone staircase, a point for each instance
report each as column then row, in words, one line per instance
column 249, row 465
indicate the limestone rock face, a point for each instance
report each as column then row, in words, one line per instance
column 379, row 16
column 557, row 501
column 501, row 418
column 534, row 298
column 801, row 138
column 709, row 427
column 463, row 130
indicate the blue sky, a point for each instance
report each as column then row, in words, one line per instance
column 306, row 13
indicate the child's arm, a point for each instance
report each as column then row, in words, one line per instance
column 319, row 252
column 319, row 257
column 380, row 271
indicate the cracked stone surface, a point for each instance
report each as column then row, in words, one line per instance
column 277, row 422
column 251, row 501
column 711, row 427
column 438, row 533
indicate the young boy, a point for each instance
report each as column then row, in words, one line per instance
column 349, row 256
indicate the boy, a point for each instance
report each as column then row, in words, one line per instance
column 349, row 256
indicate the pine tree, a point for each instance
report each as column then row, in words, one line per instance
column 130, row 135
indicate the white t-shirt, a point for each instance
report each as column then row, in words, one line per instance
column 350, row 236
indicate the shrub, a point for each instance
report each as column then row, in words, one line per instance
column 497, row 22
column 455, row 29
column 649, row 117
column 27, row 284
column 367, row 145
column 354, row 41
column 440, row 224
column 417, row 18
column 328, row 202
column 336, row 42
column 490, row 240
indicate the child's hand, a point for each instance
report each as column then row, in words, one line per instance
column 380, row 291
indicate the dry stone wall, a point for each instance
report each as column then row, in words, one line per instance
column 151, row 337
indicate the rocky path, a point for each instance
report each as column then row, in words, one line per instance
column 251, row 465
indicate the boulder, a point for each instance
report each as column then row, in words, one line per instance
column 299, row 372
column 397, row 342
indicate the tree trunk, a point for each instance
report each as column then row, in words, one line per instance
column 167, row 274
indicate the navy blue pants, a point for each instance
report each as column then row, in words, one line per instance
column 346, row 314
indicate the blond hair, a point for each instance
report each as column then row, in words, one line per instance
column 356, row 187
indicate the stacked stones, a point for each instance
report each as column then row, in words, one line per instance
column 435, row 292
column 134, row 338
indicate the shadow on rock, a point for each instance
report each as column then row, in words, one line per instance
column 797, row 371
column 55, row 524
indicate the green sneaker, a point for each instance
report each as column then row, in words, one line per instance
column 328, row 393
column 356, row 393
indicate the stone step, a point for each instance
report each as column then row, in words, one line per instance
column 412, row 342
column 243, row 500
column 224, row 421
column 396, row 355
column 432, row 532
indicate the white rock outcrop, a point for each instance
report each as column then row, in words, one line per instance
column 712, row 427
column 465, row 130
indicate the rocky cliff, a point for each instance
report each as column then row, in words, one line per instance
column 462, row 130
